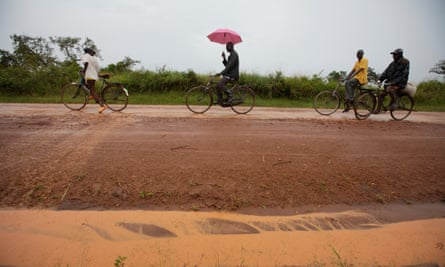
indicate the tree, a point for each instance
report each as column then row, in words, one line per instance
column 439, row 68
column 122, row 66
column 334, row 76
column 6, row 59
column 372, row 75
column 69, row 46
column 31, row 52
column 72, row 48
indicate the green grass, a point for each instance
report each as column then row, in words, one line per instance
column 177, row 98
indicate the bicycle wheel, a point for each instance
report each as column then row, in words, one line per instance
column 115, row 97
column 364, row 105
column 74, row 96
column 243, row 100
column 406, row 104
column 198, row 99
column 326, row 102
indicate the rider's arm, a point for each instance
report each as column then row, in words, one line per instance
column 229, row 64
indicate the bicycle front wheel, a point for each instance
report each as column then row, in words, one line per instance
column 243, row 100
column 74, row 96
column 115, row 97
column 406, row 104
column 364, row 105
column 326, row 102
column 198, row 99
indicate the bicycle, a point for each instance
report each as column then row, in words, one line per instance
column 327, row 102
column 374, row 101
column 199, row 99
column 75, row 96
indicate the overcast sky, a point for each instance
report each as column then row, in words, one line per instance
column 296, row 37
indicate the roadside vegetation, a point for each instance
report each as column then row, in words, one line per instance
column 36, row 69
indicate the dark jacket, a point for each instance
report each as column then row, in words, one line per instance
column 397, row 72
column 232, row 66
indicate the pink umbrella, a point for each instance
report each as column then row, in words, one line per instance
column 224, row 36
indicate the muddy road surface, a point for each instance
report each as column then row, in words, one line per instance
column 166, row 158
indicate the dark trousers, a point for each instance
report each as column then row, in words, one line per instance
column 222, row 87
column 350, row 87
column 92, row 86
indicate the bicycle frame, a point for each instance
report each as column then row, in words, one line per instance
column 199, row 99
column 75, row 96
column 211, row 87
column 405, row 103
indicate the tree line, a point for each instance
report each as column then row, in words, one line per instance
column 41, row 66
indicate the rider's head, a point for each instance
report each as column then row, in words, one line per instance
column 360, row 53
column 89, row 50
column 229, row 46
column 398, row 53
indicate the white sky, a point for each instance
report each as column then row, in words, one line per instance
column 296, row 37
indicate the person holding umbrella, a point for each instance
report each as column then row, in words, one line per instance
column 229, row 74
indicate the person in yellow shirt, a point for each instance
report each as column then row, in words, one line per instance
column 356, row 77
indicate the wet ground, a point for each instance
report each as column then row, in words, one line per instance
column 278, row 163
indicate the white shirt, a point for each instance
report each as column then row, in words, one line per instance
column 92, row 72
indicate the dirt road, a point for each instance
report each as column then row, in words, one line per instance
column 269, row 162
column 156, row 157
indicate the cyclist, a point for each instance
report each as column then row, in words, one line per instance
column 229, row 74
column 91, row 74
column 356, row 77
column 396, row 74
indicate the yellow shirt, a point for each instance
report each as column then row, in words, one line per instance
column 362, row 76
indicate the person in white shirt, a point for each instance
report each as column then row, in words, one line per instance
column 91, row 74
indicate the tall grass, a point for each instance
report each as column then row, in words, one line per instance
column 168, row 87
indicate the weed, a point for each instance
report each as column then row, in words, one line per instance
column 79, row 178
column 340, row 262
column 119, row 262
column 323, row 186
column 144, row 194
column 195, row 208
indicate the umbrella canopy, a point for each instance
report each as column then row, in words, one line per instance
column 224, row 36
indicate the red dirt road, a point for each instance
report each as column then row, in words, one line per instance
column 164, row 157
column 291, row 163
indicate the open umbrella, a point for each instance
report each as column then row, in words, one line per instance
column 224, row 36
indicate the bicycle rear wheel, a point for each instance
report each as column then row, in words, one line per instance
column 364, row 105
column 74, row 96
column 243, row 100
column 326, row 102
column 115, row 97
column 406, row 104
column 198, row 99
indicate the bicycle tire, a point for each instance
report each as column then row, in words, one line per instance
column 74, row 96
column 364, row 106
column 115, row 97
column 326, row 102
column 198, row 99
column 406, row 103
column 243, row 100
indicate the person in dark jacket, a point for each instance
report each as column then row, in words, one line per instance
column 396, row 74
column 229, row 74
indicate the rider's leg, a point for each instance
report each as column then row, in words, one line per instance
column 393, row 93
column 221, row 86
column 92, row 86
column 380, row 100
column 350, row 87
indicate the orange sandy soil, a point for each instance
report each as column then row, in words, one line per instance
column 164, row 187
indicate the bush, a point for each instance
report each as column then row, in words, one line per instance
column 430, row 93
column 17, row 81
